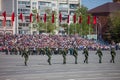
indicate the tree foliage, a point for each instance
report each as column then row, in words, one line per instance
column 114, row 26
column 48, row 27
column 83, row 28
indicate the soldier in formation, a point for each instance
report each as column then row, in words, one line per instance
column 75, row 54
column 113, row 54
column 99, row 53
column 48, row 53
column 73, row 51
column 85, row 52
column 64, row 53
column 25, row 54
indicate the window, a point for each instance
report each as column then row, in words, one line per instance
column 63, row 6
column 20, row 24
column 34, row 3
column 19, row 2
column 0, row 23
column 72, row 12
column 53, row 4
column 8, row 23
column 73, row 6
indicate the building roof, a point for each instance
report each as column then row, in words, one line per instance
column 106, row 8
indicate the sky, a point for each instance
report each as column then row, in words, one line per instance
column 90, row 4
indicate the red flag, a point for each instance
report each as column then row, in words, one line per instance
column 94, row 20
column 4, row 15
column 74, row 18
column 88, row 21
column 53, row 18
column 12, row 17
column 37, row 17
column 4, row 19
column 21, row 17
column 30, row 17
column 68, row 19
column 80, row 19
column 60, row 17
column 45, row 18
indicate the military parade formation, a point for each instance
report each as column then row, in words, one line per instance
column 64, row 52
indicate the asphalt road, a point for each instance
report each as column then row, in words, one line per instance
column 12, row 68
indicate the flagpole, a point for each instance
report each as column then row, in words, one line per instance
column 81, row 29
column 75, row 29
column 46, row 26
column 13, row 27
column 96, row 30
column 17, row 19
column 68, row 28
column 89, row 24
column 89, row 29
column 30, row 22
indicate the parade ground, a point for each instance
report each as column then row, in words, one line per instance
column 12, row 67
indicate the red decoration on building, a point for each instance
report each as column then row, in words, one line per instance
column 94, row 20
column 60, row 17
column 12, row 18
column 68, row 19
column 30, row 17
column 4, row 19
column 74, row 18
column 45, row 18
column 21, row 17
column 88, row 20
column 53, row 18
column 80, row 20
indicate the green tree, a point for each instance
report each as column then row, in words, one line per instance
column 50, row 26
column 83, row 28
column 41, row 26
column 114, row 26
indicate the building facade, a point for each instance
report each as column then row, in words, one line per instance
column 103, row 13
column 66, row 7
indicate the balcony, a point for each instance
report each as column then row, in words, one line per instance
column 6, row 27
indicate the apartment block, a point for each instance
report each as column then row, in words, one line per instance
column 66, row 7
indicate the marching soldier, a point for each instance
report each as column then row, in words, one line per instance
column 48, row 53
column 99, row 53
column 85, row 52
column 25, row 55
column 75, row 54
column 113, row 54
column 64, row 53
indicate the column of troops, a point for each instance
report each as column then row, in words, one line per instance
column 25, row 52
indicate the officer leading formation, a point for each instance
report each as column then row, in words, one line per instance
column 25, row 54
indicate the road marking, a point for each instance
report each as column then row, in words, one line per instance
column 3, row 73
column 8, row 79
column 71, row 79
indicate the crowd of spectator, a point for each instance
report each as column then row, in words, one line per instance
column 53, row 41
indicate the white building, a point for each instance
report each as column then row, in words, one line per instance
column 26, row 6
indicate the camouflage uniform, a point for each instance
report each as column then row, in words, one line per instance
column 99, row 53
column 25, row 55
column 75, row 54
column 64, row 53
column 85, row 52
column 48, row 53
column 113, row 54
